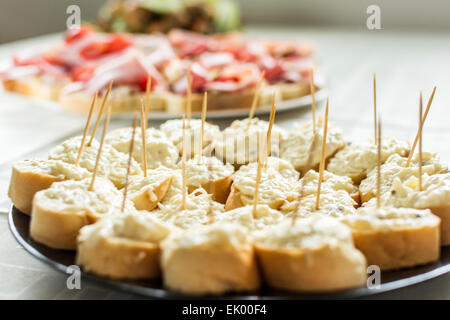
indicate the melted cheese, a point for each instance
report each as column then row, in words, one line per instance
column 309, row 182
column 160, row 150
column 297, row 146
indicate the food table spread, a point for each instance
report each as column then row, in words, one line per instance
column 404, row 64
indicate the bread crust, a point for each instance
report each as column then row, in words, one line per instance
column 399, row 248
column 143, row 201
column 322, row 269
column 57, row 230
column 23, row 186
column 219, row 189
column 205, row 270
column 236, row 200
column 33, row 87
column 79, row 102
column 120, row 258
column 443, row 212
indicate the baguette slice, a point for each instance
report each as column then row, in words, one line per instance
column 211, row 174
column 211, row 259
column 122, row 247
column 122, row 100
column 31, row 176
column 394, row 238
column 315, row 254
column 34, row 87
column 60, row 211
column 147, row 192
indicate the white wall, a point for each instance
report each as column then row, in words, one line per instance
column 27, row 18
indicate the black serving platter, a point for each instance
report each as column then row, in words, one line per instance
column 61, row 259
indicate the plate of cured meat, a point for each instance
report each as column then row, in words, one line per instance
column 171, row 71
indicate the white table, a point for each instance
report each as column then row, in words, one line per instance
column 404, row 64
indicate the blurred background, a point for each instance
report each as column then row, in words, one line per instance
column 21, row 19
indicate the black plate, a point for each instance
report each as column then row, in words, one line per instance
column 60, row 259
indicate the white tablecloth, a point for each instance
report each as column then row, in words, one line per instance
column 404, row 64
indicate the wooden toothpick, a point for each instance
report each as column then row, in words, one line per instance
column 420, row 141
column 86, row 129
column 100, row 147
column 256, row 96
column 130, row 157
column 375, row 108
column 379, row 163
column 313, row 97
column 100, row 113
column 144, row 143
column 257, row 182
column 269, row 129
column 188, row 96
column 202, row 129
column 430, row 100
column 322, row 157
column 183, row 166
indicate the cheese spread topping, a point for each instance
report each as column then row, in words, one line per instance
column 202, row 170
column 160, row 150
column 243, row 139
column 308, row 233
column 389, row 218
column 297, row 146
column 394, row 167
column 361, row 157
column 55, row 168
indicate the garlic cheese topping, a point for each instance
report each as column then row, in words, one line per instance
column 133, row 226
column 243, row 139
column 160, row 150
column 173, row 129
column 389, row 218
column 263, row 217
column 113, row 164
column 55, row 168
column 394, row 167
column 201, row 170
column 138, row 184
column 74, row 197
column 300, row 144
column 221, row 235
column 332, row 203
column 435, row 193
column 273, row 185
column 200, row 209
column 308, row 183
column 308, row 233
column 358, row 159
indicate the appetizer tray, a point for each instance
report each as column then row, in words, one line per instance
column 60, row 260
